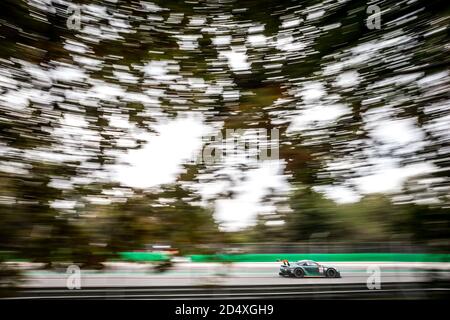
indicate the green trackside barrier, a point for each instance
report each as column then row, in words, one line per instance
column 324, row 257
column 143, row 256
column 271, row 257
column 11, row 256
column 122, row 256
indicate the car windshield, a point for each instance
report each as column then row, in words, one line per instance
column 307, row 263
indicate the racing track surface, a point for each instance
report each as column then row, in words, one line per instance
column 190, row 281
column 403, row 290
column 237, row 274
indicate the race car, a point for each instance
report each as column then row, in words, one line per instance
column 307, row 268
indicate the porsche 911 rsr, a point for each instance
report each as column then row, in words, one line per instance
column 307, row 268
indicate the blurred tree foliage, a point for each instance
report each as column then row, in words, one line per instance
column 64, row 91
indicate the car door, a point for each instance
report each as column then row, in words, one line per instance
column 312, row 268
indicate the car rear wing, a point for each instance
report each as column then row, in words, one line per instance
column 285, row 262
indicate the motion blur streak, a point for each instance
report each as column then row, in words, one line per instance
column 93, row 93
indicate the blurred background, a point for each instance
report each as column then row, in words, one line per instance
column 104, row 104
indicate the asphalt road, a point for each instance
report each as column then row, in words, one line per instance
column 403, row 290
column 193, row 274
column 237, row 281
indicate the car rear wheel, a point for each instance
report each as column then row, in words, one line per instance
column 331, row 273
column 298, row 273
